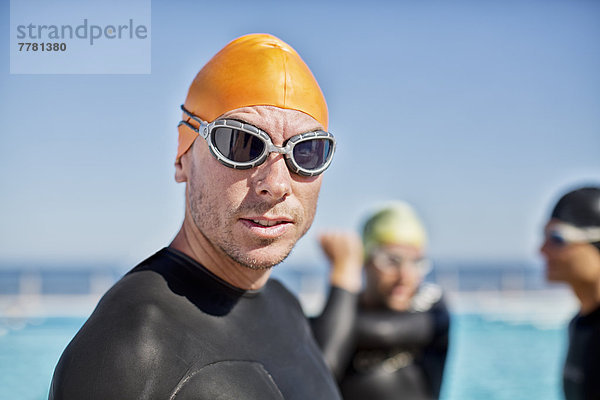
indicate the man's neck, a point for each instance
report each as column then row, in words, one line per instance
column 190, row 241
column 589, row 297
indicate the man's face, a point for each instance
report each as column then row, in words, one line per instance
column 394, row 274
column 253, row 216
column 573, row 263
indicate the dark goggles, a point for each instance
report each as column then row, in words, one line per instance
column 241, row 146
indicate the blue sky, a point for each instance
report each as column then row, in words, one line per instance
column 479, row 113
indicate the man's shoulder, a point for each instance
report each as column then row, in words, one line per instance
column 137, row 299
column 137, row 308
column 116, row 356
column 122, row 345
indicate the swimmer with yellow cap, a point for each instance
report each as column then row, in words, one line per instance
column 393, row 249
column 400, row 326
column 395, row 242
column 200, row 319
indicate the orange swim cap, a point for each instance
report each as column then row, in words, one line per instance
column 252, row 70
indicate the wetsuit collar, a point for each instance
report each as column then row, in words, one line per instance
column 186, row 260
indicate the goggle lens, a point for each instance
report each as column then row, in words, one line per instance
column 312, row 154
column 556, row 238
column 237, row 145
column 387, row 262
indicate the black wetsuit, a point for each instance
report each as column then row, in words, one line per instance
column 581, row 374
column 387, row 354
column 170, row 329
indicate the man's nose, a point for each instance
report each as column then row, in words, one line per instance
column 273, row 178
column 544, row 248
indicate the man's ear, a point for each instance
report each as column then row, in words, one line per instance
column 180, row 168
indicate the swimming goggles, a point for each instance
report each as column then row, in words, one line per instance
column 387, row 262
column 241, row 146
column 561, row 234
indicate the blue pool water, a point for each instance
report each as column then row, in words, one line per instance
column 489, row 359
column 497, row 360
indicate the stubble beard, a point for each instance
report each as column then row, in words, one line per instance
column 206, row 222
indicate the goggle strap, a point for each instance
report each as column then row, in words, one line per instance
column 576, row 234
column 201, row 130
column 188, row 125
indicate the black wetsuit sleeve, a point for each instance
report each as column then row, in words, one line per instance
column 387, row 328
column 426, row 330
column 581, row 373
column 434, row 360
column 334, row 329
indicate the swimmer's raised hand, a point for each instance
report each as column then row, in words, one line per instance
column 344, row 250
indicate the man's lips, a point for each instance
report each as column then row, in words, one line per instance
column 268, row 221
column 267, row 227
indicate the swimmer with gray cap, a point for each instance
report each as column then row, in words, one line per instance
column 396, row 339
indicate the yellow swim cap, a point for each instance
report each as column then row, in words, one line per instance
column 255, row 69
column 396, row 223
